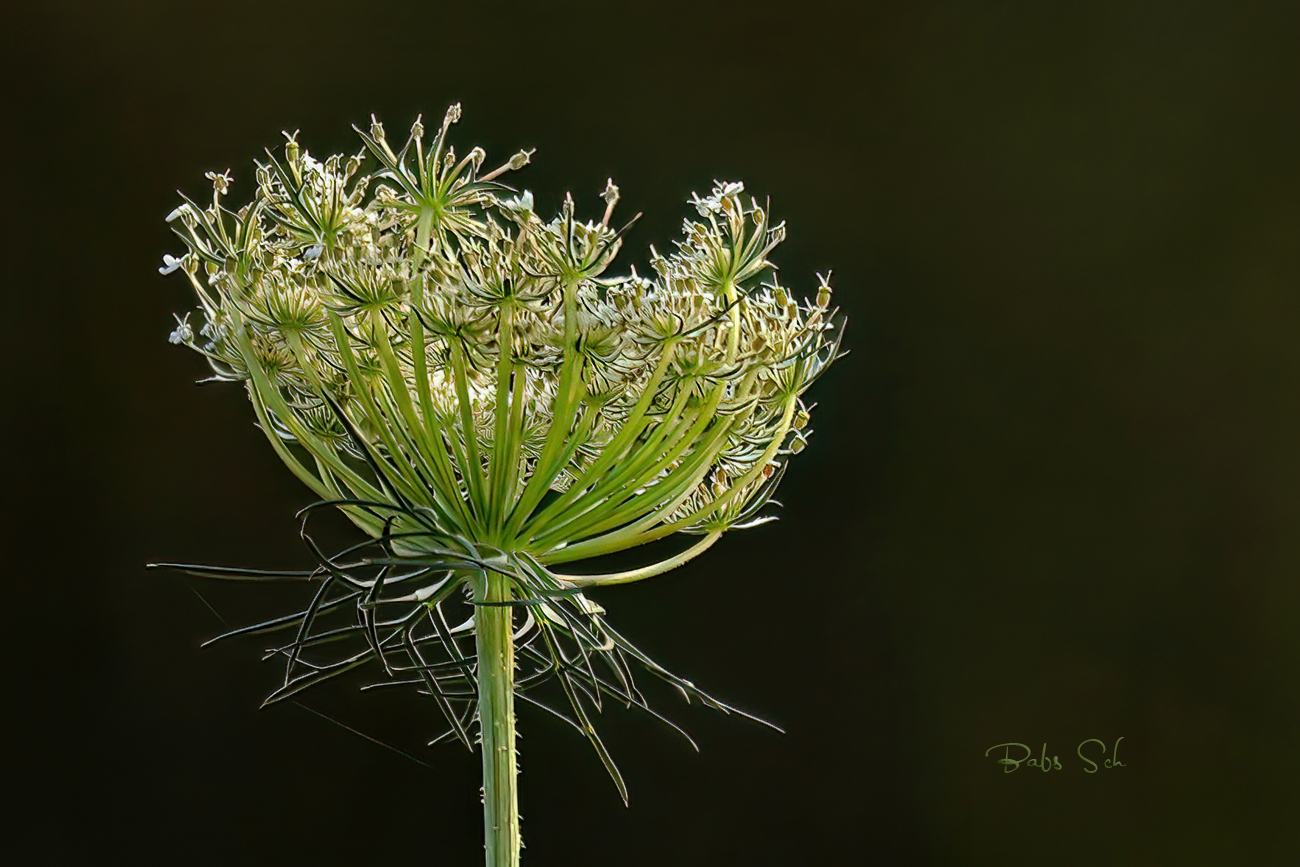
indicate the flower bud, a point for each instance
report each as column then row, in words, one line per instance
column 824, row 291
column 521, row 159
column 291, row 149
column 376, row 129
column 610, row 195
column 417, row 128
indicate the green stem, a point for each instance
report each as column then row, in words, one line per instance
column 499, row 469
column 473, row 467
column 616, row 447
column 496, row 709
column 567, row 396
column 646, row 571
column 638, row 533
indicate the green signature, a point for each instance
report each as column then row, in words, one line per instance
column 1046, row 763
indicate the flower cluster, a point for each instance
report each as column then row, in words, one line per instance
column 472, row 387
column 429, row 341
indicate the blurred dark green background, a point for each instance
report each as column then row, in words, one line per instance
column 1052, row 495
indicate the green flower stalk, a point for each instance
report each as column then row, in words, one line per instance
column 468, row 384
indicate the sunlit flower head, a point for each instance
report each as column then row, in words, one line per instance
column 479, row 389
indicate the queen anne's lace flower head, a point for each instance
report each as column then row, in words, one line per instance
column 479, row 357
column 471, row 384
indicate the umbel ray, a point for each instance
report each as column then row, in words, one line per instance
column 467, row 383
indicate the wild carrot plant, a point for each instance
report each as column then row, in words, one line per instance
column 472, row 388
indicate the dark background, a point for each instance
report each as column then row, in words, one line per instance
column 1052, row 495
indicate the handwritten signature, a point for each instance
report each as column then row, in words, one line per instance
column 1046, row 763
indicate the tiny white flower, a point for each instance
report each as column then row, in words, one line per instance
column 522, row 203
column 183, row 332
column 220, row 182
column 179, row 212
column 705, row 206
column 313, row 252
column 170, row 263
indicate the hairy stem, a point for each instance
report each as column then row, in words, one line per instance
column 496, row 708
